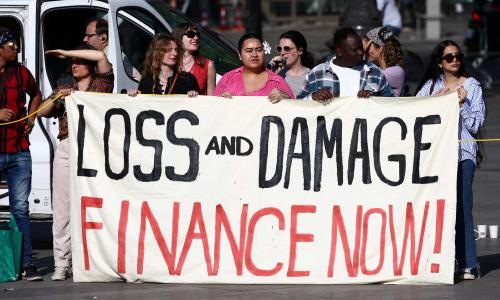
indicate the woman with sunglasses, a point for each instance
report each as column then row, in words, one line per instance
column 253, row 79
column 294, row 61
column 446, row 73
column 187, row 37
column 383, row 48
column 160, row 70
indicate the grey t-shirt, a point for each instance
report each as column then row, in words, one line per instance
column 296, row 83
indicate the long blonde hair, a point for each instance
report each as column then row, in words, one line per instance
column 154, row 57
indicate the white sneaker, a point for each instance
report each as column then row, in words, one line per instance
column 470, row 273
column 60, row 274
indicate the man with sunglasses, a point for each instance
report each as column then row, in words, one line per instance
column 16, row 82
column 345, row 73
column 96, row 35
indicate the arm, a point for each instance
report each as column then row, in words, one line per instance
column 211, row 77
column 103, row 64
column 473, row 110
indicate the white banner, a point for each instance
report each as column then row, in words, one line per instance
column 211, row 190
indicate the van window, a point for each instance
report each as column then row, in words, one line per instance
column 136, row 28
column 14, row 25
column 224, row 56
column 64, row 28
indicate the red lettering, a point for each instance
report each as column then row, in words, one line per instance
column 168, row 256
column 221, row 220
column 196, row 218
column 88, row 202
column 338, row 224
column 122, row 237
column 366, row 219
column 296, row 237
column 251, row 230
column 409, row 230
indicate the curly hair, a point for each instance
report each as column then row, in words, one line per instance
column 393, row 54
column 154, row 56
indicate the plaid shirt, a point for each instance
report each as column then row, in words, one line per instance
column 18, row 83
column 322, row 76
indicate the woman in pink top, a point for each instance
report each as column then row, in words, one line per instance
column 253, row 79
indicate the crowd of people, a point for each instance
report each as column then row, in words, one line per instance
column 372, row 65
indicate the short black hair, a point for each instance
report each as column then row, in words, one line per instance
column 341, row 35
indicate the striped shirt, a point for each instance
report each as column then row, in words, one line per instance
column 322, row 76
column 471, row 114
column 233, row 83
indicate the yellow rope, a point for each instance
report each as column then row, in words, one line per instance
column 59, row 95
column 47, row 102
column 480, row 140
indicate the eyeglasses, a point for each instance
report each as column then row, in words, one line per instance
column 89, row 35
column 286, row 49
column 191, row 34
column 450, row 57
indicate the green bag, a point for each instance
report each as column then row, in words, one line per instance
column 11, row 241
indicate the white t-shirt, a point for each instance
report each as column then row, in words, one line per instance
column 348, row 79
column 390, row 13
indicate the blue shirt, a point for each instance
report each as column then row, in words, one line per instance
column 322, row 76
column 471, row 114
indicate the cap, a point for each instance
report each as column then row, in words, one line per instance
column 380, row 35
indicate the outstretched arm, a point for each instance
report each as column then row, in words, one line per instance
column 103, row 64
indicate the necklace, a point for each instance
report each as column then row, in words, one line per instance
column 187, row 64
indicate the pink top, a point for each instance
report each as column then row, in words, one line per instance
column 233, row 83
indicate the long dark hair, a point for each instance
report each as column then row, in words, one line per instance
column 178, row 34
column 433, row 71
column 306, row 59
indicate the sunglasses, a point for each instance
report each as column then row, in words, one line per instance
column 450, row 57
column 286, row 49
column 191, row 34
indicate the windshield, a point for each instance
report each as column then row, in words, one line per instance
column 224, row 56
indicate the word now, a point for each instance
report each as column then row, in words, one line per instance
column 242, row 245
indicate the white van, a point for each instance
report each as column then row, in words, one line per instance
column 50, row 24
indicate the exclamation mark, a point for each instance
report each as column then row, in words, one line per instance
column 439, row 233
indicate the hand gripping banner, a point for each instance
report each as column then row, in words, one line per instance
column 211, row 190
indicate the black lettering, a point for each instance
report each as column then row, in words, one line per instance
column 322, row 140
column 191, row 144
column 229, row 145
column 264, row 150
column 419, row 146
column 81, row 171
column 126, row 142
column 155, row 144
column 364, row 155
column 399, row 158
column 213, row 145
column 239, row 143
column 305, row 155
